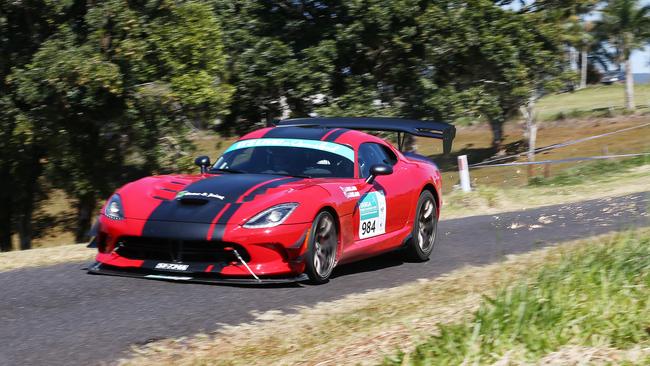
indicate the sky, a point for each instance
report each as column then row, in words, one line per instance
column 640, row 60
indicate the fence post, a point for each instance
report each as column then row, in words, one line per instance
column 547, row 170
column 463, row 172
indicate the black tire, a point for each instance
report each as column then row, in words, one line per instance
column 320, row 257
column 425, row 228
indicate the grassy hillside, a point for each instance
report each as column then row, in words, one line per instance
column 595, row 293
column 595, row 297
column 594, row 101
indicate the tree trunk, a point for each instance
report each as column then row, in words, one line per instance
column 531, row 127
column 409, row 143
column 5, row 224
column 25, row 231
column 583, row 68
column 531, row 131
column 32, row 170
column 6, row 204
column 629, row 86
column 85, row 208
column 496, row 125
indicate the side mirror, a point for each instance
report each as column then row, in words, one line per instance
column 203, row 162
column 378, row 169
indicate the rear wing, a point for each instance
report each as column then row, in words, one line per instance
column 437, row 130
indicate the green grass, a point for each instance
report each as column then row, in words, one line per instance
column 595, row 101
column 595, row 296
column 590, row 171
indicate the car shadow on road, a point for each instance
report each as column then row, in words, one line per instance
column 386, row 260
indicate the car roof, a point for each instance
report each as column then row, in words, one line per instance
column 338, row 135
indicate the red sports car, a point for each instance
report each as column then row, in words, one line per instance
column 284, row 203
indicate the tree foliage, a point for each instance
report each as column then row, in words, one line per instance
column 625, row 25
column 106, row 92
column 94, row 94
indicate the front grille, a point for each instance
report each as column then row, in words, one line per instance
column 158, row 249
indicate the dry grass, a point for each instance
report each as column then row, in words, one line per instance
column 360, row 328
column 578, row 355
column 591, row 100
column 45, row 256
column 490, row 200
column 473, row 140
column 575, row 355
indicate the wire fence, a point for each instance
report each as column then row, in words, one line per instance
column 464, row 167
column 567, row 160
column 487, row 163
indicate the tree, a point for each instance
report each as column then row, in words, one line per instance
column 24, row 25
column 625, row 25
column 116, row 88
column 488, row 61
column 281, row 55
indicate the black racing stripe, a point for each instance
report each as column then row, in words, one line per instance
column 175, row 216
column 336, row 134
column 176, row 230
column 274, row 184
column 220, row 225
column 305, row 133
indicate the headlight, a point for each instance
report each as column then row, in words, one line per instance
column 271, row 217
column 114, row 208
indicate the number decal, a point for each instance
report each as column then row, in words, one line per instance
column 372, row 214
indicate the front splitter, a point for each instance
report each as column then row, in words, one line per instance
column 104, row 269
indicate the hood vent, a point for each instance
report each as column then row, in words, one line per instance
column 193, row 200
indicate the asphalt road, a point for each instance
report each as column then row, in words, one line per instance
column 59, row 315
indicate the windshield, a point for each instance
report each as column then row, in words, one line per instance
column 295, row 157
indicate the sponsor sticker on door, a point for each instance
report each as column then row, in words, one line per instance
column 372, row 215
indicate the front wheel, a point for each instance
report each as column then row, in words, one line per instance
column 321, row 253
column 425, row 228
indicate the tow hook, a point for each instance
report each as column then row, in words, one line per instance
column 242, row 261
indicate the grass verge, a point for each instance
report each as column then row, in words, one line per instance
column 364, row 328
column 45, row 256
column 589, row 183
column 593, row 297
column 590, row 171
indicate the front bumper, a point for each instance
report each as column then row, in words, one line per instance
column 274, row 255
column 104, row 269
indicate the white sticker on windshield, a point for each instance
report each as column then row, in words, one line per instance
column 372, row 214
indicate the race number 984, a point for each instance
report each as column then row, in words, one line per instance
column 368, row 227
column 372, row 214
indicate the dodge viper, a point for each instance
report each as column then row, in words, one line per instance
column 284, row 203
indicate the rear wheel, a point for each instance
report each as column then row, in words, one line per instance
column 321, row 253
column 425, row 228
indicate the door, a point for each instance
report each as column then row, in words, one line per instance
column 383, row 205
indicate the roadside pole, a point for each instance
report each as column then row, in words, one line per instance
column 463, row 172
